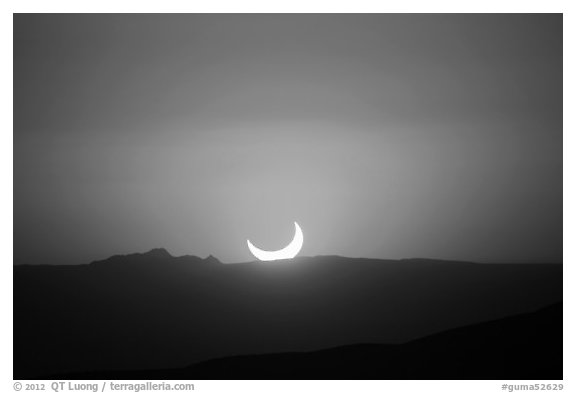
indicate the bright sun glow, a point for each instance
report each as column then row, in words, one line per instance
column 288, row 252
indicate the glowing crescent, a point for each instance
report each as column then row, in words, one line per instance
column 288, row 252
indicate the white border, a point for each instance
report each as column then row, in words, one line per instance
column 229, row 6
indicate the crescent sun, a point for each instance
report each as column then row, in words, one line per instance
column 288, row 252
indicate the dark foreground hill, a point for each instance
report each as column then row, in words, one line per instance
column 509, row 348
column 153, row 311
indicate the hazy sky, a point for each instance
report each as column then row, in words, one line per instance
column 386, row 136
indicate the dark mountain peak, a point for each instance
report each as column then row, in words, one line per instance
column 157, row 253
column 154, row 255
column 212, row 259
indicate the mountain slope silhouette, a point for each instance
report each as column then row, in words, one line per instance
column 509, row 348
column 154, row 311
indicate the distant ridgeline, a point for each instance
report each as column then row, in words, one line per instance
column 153, row 311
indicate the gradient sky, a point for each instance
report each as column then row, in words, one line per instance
column 388, row 136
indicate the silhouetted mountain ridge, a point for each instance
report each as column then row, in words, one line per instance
column 508, row 348
column 161, row 254
column 154, row 311
column 154, row 256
